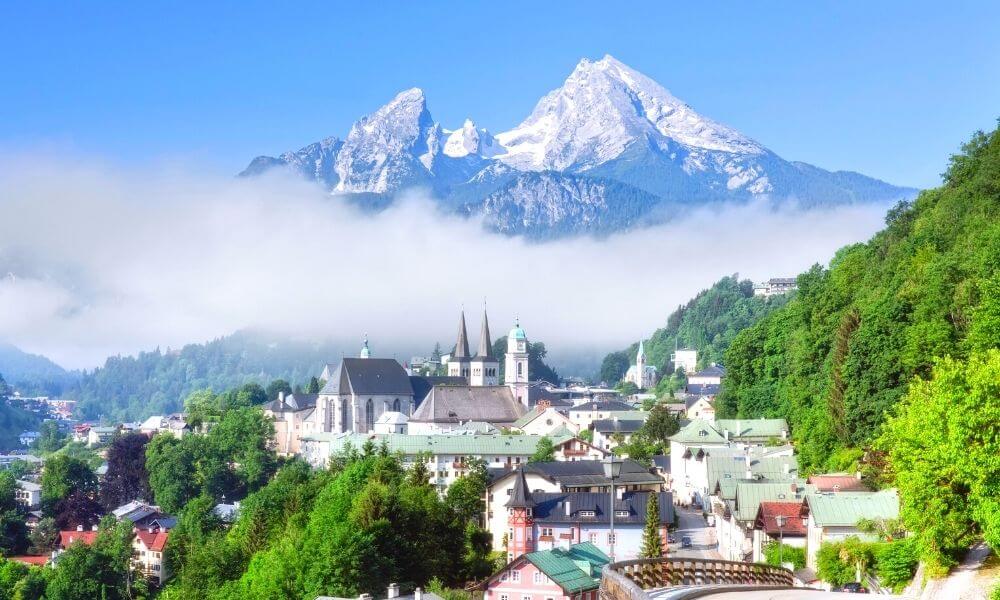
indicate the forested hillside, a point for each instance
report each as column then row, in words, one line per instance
column 708, row 322
column 134, row 387
column 13, row 420
column 869, row 330
column 32, row 374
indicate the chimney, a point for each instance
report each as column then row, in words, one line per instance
column 418, row 594
column 569, row 509
column 725, row 434
column 281, row 396
column 543, row 404
column 749, row 471
column 393, row 590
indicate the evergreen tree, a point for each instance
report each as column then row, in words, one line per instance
column 313, row 387
column 652, row 545
column 544, row 452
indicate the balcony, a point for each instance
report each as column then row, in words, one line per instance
column 647, row 578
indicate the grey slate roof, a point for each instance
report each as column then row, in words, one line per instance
column 587, row 473
column 711, row 371
column 550, row 507
column 422, row 384
column 605, row 406
column 618, row 425
column 375, row 376
column 520, row 496
column 293, row 402
column 703, row 389
column 456, row 404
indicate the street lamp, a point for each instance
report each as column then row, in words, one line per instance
column 780, row 520
column 612, row 470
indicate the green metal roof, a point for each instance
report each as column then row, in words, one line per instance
column 749, row 496
column 528, row 417
column 459, row 445
column 574, row 569
column 752, row 428
column 847, row 508
column 728, row 468
column 698, row 431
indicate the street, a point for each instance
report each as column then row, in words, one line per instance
column 691, row 523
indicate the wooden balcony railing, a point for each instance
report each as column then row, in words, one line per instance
column 628, row 580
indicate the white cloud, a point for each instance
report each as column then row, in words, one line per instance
column 103, row 260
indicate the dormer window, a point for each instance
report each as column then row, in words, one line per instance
column 621, row 513
column 588, row 513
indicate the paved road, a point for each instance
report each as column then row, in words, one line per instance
column 691, row 523
column 963, row 583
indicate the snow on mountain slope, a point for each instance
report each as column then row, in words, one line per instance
column 601, row 109
column 640, row 145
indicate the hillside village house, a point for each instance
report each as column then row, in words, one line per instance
column 448, row 456
column 584, row 415
column 28, row 494
column 735, row 519
column 780, row 522
column 686, row 359
column 699, row 407
column 833, row 516
column 391, row 422
column 99, row 436
column 173, row 424
column 700, row 439
column 147, row 554
column 558, row 479
column 543, row 419
column 711, row 375
column 548, row 520
column 571, row 573
column 609, row 433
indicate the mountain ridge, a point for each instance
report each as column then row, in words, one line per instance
column 606, row 121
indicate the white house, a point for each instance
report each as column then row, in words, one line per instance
column 711, row 375
column 543, row 419
column 391, row 422
column 685, row 358
column 609, row 433
column 833, row 516
column 147, row 554
column 28, row 494
column 583, row 415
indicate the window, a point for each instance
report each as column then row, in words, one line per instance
column 621, row 513
column 345, row 417
column 515, row 576
column 588, row 513
column 526, row 597
column 538, row 577
column 504, row 577
column 593, row 538
column 370, row 415
column 395, row 405
column 611, row 538
column 547, row 531
column 520, row 369
column 504, row 597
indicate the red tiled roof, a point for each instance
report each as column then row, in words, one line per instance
column 31, row 560
column 766, row 518
column 67, row 538
column 152, row 541
column 843, row 483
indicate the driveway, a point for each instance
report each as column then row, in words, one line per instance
column 691, row 523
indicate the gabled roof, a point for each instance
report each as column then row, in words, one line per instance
column 618, row 425
column 610, row 405
column 767, row 518
column 154, row 541
column 574, row 569
column 844, row 509
column 375, row 376
column 698, row 431
column 422, row 384
column 68, row 538
column 734, row 466
column 534, row 413
column 586, row 473
column 444, row 443
column 711, row 371
column 749, row 496
column 456, row 404
column 392, row 418
column 703, row 389
column 756, row 429
column 839, row 482
column 574, row 507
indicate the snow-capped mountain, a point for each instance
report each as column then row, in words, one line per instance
column 597, row 155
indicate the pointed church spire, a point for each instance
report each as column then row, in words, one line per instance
column 520, row 496
column 462, row 345
column 485, row 342
column 642, row 351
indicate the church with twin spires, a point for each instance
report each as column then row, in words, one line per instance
column 483, row 369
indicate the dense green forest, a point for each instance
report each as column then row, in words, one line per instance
column 708, row 322
column 839, row 357
column 129, row 388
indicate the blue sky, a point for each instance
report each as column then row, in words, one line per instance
column 889, row 88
